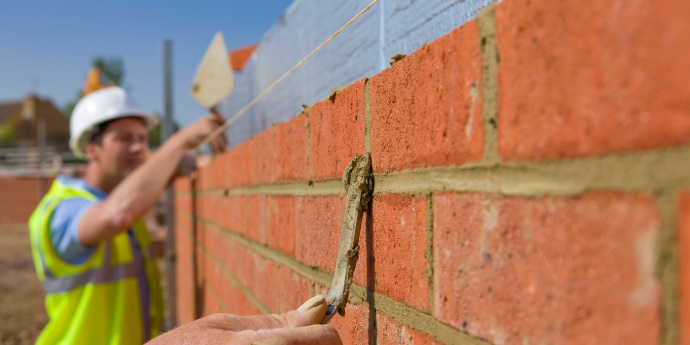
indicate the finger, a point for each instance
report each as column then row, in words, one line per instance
column 214, row 146
column 224, row 139
column 310, row 313
column 217, row 118
column 221, row 142
column 308, row 335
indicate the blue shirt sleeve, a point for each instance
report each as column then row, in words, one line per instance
column 63, row 228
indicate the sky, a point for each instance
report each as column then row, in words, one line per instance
column 46, row 47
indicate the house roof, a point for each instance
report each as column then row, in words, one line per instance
column 7, row 109
column 240, row 56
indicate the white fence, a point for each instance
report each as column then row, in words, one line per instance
column 32, row 161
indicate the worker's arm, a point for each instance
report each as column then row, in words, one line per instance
column 139, row 191
column 299, row 327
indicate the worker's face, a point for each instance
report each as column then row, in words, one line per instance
column 124, row 146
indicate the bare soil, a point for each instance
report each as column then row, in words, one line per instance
column 22, row 309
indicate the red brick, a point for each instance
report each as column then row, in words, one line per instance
column 317, row 230
column 221, row 214
column 245, row 307
column 336, row 132
column 230, row 295
column 234, row 214
column 262, row 157
column 182, row 185
column 183, row 246
column 397, row 229
column 218, row 246
column 580, row 80
column 184, row 281
column 257, row 274
column 214, row 173
column 356, row 326
column 257, row 218
column 214, row 275
column 389, row 331
column 234, row 257
column 549, row 270
column 183, row 203
column 237, row 165
column 211, row 304
column 24, row 192
column 201, row 236
column 684, row 262
column 426, row 110
column 294, row 289
column 206, row 176
column 281, row 223
column 265, row 284
column 292, row 149
column 183, row 222
column 207, row 207
column 224, row 169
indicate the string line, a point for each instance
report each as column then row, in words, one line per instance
column 241, row 112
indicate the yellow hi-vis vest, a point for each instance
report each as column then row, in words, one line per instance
column 97, row 302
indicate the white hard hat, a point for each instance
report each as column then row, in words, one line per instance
column 100, row 106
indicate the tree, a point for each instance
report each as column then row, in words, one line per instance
column 112, row 70
column 8, row 135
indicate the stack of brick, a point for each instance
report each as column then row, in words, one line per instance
column 532, row 178
column 20, row 197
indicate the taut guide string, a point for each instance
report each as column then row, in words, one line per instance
column 241, row 112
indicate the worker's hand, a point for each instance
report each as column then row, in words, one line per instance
column 195, row 133
column 302, row 326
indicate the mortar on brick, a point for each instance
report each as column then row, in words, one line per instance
column 667, row 266
column 486, row 23
column 397, row 57
column 429, row 250
column 334, row 93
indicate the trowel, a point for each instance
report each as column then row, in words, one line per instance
column 213, row 81
column 358, row 182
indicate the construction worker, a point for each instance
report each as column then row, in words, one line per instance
column 89, row 245
column 91, row 249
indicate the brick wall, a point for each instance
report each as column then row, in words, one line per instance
column 20, row 195
column 532, row 170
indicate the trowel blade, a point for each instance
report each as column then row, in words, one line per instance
column 213, row 81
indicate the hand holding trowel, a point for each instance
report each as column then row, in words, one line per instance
column 213, row 81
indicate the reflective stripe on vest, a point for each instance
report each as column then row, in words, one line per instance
column 99, row 275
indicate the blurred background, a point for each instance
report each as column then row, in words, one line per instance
column 47, row 50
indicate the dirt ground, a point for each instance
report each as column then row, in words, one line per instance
column 22, row 312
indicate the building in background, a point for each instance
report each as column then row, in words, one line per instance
column 19, row 124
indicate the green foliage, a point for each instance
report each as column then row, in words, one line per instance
column 113, row 69
column 8, row 135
